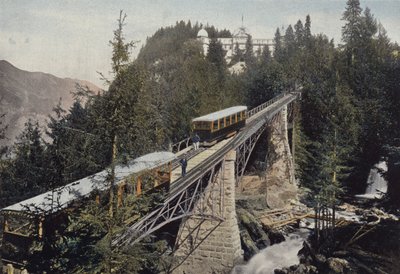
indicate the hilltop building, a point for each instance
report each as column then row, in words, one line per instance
column 238, row 38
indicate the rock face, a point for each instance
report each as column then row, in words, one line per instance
column 25, row 95
column 253, row 234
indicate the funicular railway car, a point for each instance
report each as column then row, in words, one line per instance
column 220, row 124
column 46, row 214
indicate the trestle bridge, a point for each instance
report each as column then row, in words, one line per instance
column 186, row 191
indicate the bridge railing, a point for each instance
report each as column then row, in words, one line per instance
column 181, row 145
column 263, row 106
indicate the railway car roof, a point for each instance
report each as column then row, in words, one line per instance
column 220, row 114
column 52, row 201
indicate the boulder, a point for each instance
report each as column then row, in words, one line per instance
column 337, row 265
column 248, row 246
column 320, row 259
column 306, row 254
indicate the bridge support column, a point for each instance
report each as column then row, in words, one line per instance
column 281, row 185
column 212, row 246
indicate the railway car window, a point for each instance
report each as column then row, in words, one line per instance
column 233, row 119
column 215, row 125
column 228, row 120
column 202, row 125
column 222, row 123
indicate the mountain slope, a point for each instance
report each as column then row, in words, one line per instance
column 25, row 95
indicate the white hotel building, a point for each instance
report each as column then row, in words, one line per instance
column 239, row 37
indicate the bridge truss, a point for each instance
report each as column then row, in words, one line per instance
column 182, row 199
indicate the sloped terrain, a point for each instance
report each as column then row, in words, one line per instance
column 25, row 95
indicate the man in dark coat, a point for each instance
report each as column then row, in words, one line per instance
column 196, row 141
column 183, row 163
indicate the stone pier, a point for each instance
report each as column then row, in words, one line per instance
column 281, row 184
column 212, row 246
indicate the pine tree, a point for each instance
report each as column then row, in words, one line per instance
column 237, row 55
column 299, row 33
column 5, row 183
column 263, row 82
column 249, row 57
column 351, row 31
column 265, row 55
column 216, row 56
column 278, row 50
column 29, row 167
column 215, row 53
column 3, row 129
column 307, row 32
column 120, row 59
column 290, row 43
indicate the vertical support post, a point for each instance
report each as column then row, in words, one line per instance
column 120, row 193
column 10, row 269
column 40, row 228
column 156, row 177
column 139, row 186
column 170, row 171
column 294, row 132
column 6, row 225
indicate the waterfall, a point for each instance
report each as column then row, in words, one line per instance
column 276, row 256
column 376, row 184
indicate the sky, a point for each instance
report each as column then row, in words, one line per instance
column 70, row 38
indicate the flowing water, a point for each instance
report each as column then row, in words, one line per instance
column 285, row 254
column 376, row 184
column 276, row 256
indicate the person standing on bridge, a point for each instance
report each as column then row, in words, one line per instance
column 196, row 141
column 183, row 163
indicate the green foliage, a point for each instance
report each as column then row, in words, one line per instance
column 249, row 57
column 25, row 174
column 307, row 30
column 187, row 83
column 299, row 33
column 238, row 54
column 352, row 28
column 166, row 41
column 279, row 50
column 290, row 42
column 263, row 82
column 90, row 232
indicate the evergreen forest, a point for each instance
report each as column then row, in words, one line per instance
column 348, row 120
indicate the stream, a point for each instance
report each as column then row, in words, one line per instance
column 275, row 256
